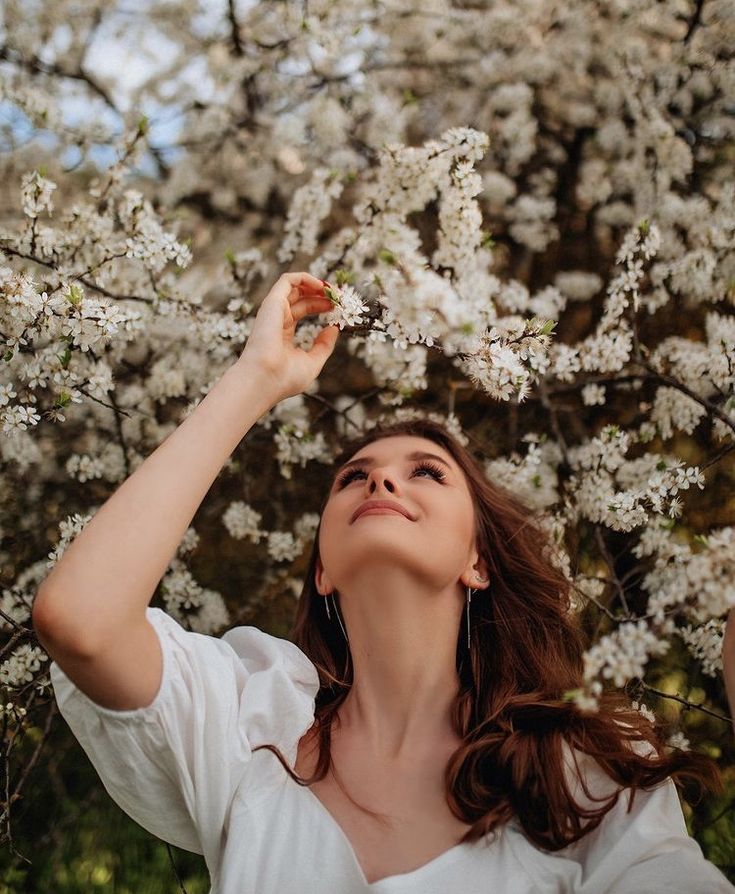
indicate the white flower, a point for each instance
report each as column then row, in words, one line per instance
column 283, row 546
column 21, row 665
column 623, row 654
column 593, row 394
column 305, row 526
column 36, row 192
column 645, row 710
column 6, row 392
column 705, row 644
column 294, row 445
column 311, row 203
column 18, row 417
column 242, row 521
column 349, row 309
column 678, row 740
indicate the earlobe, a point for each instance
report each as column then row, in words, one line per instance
column 478, row 575
column 323, row 584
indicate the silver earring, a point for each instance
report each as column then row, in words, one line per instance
column 470, row 591
column 326, row 604
column 339, row 619
column 469, row 599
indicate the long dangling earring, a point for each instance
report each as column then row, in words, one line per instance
column 339, row 619
column 329, row 616
column 469, row 599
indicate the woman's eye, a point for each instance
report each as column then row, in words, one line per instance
column 434, row 471
column 348, row 476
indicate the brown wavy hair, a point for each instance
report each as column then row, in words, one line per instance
column 526, row 652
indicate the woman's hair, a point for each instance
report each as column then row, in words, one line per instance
column 526, row 651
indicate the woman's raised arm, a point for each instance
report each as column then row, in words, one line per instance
column 105, row 580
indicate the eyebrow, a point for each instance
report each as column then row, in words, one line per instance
column 369, row 460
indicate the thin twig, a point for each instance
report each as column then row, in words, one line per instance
column 683, row 701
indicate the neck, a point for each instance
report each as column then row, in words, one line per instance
column 403, row 642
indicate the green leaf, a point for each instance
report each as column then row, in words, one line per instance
column 570, row 694
column 8, row 356
column 143, row 125
column 387, row 256
column 344, row 277
column 74, row 296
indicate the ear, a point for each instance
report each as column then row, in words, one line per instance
column 321, row 578
column 476, row 574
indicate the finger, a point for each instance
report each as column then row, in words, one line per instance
column 303, row 281
column 309, row 295
column 324, row 345
column 306, row 306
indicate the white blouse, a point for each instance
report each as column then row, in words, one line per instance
column 183, row 768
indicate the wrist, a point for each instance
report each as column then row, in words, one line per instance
column 247, row 373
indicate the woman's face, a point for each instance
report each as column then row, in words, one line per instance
column 432, row 545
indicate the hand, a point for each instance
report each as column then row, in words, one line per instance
column 270, row 345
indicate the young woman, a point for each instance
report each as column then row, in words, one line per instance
column 411, row 736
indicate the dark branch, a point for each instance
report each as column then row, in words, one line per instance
column 696, row 20
column 35, row 65
column 234, row 28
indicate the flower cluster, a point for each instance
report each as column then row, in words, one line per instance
column 348, row 308
column 36, row 193
column 624, row 653
column 22, row 665
column 705, row 644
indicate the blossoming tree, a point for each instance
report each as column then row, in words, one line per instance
column 526, row 210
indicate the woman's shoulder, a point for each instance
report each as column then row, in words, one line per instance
column 258, row 650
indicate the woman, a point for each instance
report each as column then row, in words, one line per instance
column 422, row 741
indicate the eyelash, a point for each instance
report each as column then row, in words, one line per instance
column 347, row 476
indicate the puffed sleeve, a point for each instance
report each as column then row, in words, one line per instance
column 645, row 850
column 175, row 764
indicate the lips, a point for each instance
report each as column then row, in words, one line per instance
column 382, row 504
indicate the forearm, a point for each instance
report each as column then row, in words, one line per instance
column 107, row 576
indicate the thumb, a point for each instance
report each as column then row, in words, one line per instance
column 324, row 344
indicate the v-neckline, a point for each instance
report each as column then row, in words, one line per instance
column 441, row 859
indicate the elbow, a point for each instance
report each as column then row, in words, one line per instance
column 54, row 628
column 39, row 612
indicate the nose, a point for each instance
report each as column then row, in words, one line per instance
column 380, row 478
